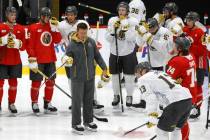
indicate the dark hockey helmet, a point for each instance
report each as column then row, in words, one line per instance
column 171, row 7
column 124, row 5
column 152, row 22
column 71, row 9
column 45, row 11
column 182, row 43
column 143, row 65
column 194, row 16
column 10, row 9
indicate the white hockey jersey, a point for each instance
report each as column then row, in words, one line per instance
column 126, row 44
column 159, row 88
column 159, row 50
column 137, row 10
column 170, row 23
column 65, row 29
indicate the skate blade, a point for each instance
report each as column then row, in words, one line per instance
column 78, row 132
column 90, row 129
column 50, row 113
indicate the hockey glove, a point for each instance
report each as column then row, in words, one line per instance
column 152, row 120
column 179, row 81
column 33, row 64
column 124, row 25
column 68, row 60
column 14, row 43
column 148, row 37
column 3, row 40
column 141, row 30
column 54, row 24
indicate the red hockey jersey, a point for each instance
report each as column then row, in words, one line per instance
column 197, row 49
column 11, row 56
column 41, row 43
column 184, row 67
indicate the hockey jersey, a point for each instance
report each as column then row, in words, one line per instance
column 137, row 10
column 11, row 56
column 126, row 44
column 159, row 50
column 41, row 43
column 170, row 23
column 197, row 49
column 184, row 67
column 65, row 29
column 160, row 88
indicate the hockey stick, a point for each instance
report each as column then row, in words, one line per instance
column 207, row 119
column 97, row 118
column 135, row 129
column 53, row 74
column 153, row 137
column 96, row 9
column 118, row 69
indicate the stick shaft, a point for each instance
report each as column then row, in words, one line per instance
column 96, row 9
column 135, row 129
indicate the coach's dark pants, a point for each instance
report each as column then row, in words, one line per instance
column 82, row 95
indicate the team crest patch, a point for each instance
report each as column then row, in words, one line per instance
column 46, row 38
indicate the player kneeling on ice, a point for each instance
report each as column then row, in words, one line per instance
column 82, row 73
column 159, row 88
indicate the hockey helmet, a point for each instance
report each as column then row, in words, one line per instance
column 143, row 65
column 171, row 7
column 45, row 11
column 182, row 43
column 71, row 9
column 124, row 5
column 152, row 22
column 10, row 9
column 194, row 16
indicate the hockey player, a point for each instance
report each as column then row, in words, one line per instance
column 200, row 53
column 68, row 26
column 42, row 57
column 137, row 10
column 158, row 87
column 82, row 49
column 170, row 12
column 125, row 59
column 159, row 41
column 183, row 69
column 12, row 38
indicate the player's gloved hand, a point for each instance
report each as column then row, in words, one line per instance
column 194, row 110
column 141, row 30
column 33, row 64
column 68, row 60
column 124, row 25
column 160, row 18
column 54, row 24
column 147, row 37
column 117, row 24
column 179, row 80
column 152, row 120
column 14, row 43
column 3, row 40
column 176, row 30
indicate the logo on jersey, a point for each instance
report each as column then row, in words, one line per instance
column 46, row 38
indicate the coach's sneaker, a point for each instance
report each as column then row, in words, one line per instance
column 142, row 104
column 48, row 108
column 129, row 100
column 12, row 108
column 91, row 127
column 35, row 108
column 116, row 100
column 78, row 129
